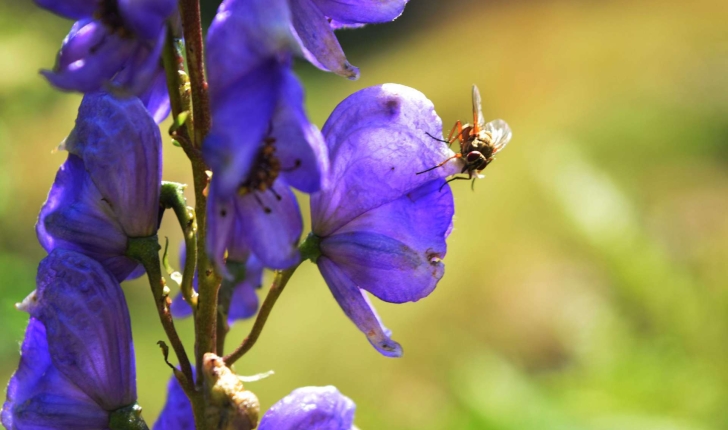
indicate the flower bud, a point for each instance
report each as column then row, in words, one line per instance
column 230, row 405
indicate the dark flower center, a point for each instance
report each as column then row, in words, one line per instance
column 265, row 170
column 109, row 14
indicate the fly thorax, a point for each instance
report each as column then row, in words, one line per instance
column 484, row 144
column 265, row 170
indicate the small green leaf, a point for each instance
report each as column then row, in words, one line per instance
column 179, row 121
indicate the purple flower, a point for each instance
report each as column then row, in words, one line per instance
column 261, row 142
column 77, row 359
column 115, row 44
column 245, row 280
column 315, row 21
column 108, row 188
column 321, row 408
column 382, row 228
column 177, row 412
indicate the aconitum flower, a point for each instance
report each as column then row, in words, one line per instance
column 315, row 21
column 115, row 43
column 108, row 188
column 321, row 408
column 261, row 142
column 382, row 228
column 77, row 360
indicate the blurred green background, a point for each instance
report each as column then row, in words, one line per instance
column 587, row 275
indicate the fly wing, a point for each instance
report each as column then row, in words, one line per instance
column 477, row 110
column 500, row 132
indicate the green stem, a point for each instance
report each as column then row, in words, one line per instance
column 146, row 251
column 172, row 197
column 178, row 87
column 309, row 249
column 208, row 281
column 238, row 271
column 279, row 283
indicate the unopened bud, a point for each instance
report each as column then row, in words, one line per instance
column 230, row 405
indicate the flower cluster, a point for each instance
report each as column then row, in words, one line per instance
column 114, row 45
column 381, row 207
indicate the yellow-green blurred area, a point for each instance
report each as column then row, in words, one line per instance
column 586, row 280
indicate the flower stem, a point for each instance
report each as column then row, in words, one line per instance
column 192, row 27
column 172, row 197
column 279, row 283
column 178, row 87
column 208, row 281
column 146, row 251
column 309, row 249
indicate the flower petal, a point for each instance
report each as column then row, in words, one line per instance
column 321, row 408
column 221, row 219
column 177, row 412
column 72, row 9
column 244, row 301
column 356, row 306
column 141, row 67
column 299, row 144
column 156, row 98
column 242, row 116
column 88, row 327
column 146, row 17
column 40, row 397
column 377, row 145
column 76, row 217
column 89, row 57
column 394, row 251
column 361, row 11
column 121, row 149
column 272, row 226
column 318, row 39
column 243, row 34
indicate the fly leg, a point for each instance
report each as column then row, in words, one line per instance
column 440, row 165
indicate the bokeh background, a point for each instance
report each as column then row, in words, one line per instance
column 587, row 275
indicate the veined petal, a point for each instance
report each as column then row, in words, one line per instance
column 121, row 149
column 242, row 116
column 89, row 57
column 299, row 144
column 320, row 408
column 361, row 11
column 146, row 17
column 395, row 250
column 377, row 145
column 76, row 217
column 272, row 226
column 72, row 9
column 88, row 329
column 177, row 413
column 318, row 39
column 356, row 306
column 40, row 397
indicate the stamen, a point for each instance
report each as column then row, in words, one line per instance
column 266, row 209
column 278, row 196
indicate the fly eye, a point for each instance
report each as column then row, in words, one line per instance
column 474, row 157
